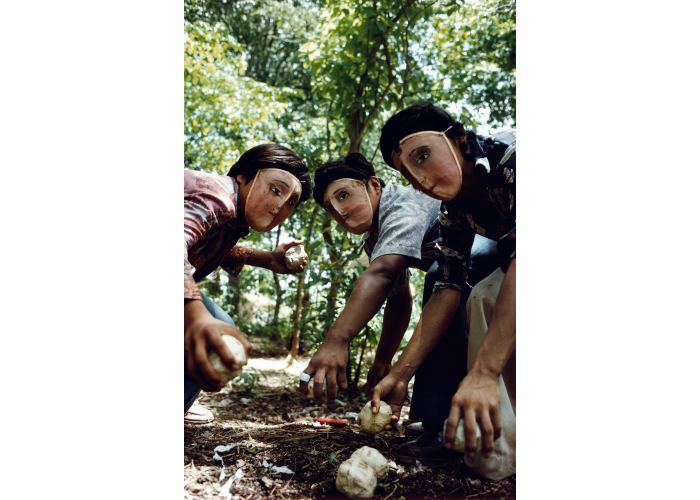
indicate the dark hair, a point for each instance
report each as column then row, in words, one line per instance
column 352, row 166
column 273, row 156
column 419, row 117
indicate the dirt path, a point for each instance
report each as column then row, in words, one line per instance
column 268, row 431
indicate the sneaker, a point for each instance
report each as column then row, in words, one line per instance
column 198, row 415
column 414, row 429
column 427, row 449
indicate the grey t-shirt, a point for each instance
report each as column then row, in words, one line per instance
column 408, row 225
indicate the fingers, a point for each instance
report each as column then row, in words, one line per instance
column 241, row 337
column 496, row 421
column 191, row 367
column 224, row 353
column 392, row 423
column 451, row 427
column 486, row 433
column 331, row 385
column 289, row 244
column 304, row 385
column 319, row 379
column 209, row 377
column 469, row 431
column 376, row 398
column 342, row 380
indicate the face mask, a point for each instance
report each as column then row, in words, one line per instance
column 272, row 197
column 431, row 160
column 348, row 201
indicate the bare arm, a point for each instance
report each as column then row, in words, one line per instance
column 397, row 315
column 370, row 291
column 368, row 295
column 478, row 396
column 436, row 318
column 272, row 260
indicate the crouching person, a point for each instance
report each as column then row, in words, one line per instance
column 475, row 180
column 399, row 225
column 259, row 192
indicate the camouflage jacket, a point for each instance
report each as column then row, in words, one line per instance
column 495, row 220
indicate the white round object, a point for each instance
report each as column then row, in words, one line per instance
column 294, row 257
column 373, row 458
column 459, row 436
column 235, row 348
column 356, row 479
column 375, row 423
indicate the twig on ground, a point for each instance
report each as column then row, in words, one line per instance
column 392, row 492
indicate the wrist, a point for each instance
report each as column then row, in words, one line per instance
column 194, row 311
column 484, row 370
column 402, row 372
column 338, row 336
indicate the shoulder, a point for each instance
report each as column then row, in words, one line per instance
column 218, row 192
column 397, row 198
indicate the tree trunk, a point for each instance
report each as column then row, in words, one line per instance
column 299, row 297
column 296, row 324
column 278, row 295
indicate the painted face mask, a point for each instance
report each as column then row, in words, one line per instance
column 272, row 197
column 348, row 202
column 432, row 161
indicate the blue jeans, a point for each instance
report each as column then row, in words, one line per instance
column 192, row 390
column 439, row 375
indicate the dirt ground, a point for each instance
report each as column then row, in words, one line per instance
column 272, row 448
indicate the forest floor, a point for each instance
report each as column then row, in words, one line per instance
column 272, row 447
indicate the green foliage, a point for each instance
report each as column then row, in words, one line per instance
column 322, row 77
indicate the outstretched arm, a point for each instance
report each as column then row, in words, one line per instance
column 397, row 315
column 478, row 396
column 272, row 260
column 368, row 295
column 436, row 318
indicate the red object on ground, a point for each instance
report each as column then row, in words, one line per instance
column 332, row 421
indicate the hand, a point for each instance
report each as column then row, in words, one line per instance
column 378, row 371
column 393, row 391
column 203, row 334
column 478, row 400
column 277, row 263
column 327, row 364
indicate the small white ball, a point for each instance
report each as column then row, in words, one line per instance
column 356, row 479
column 235, row 348
column 294, row 257
column 373, row 458
column 375, row 423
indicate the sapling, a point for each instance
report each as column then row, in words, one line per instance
column 238, row 351
column 375, row 423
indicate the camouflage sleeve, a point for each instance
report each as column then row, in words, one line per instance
column 506, row 243
column 454, row 252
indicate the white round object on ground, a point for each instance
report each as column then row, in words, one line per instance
column 356, row 479
column 294, row 257
column 459, row 436
column 373, row 458
column 235, row 348
column 375, row 423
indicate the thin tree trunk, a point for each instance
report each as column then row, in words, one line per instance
column 299, row 297
column 278, row 294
